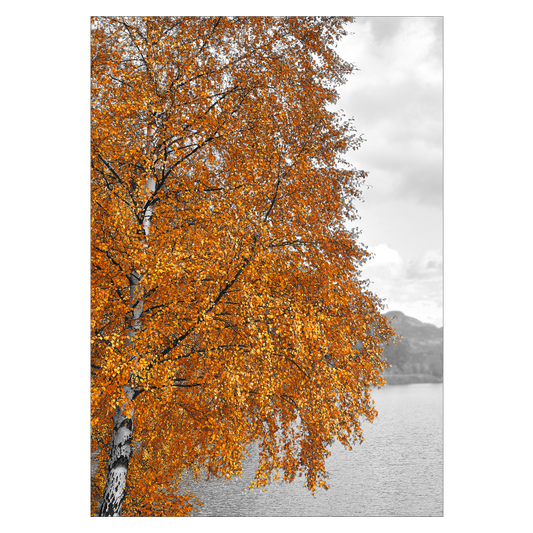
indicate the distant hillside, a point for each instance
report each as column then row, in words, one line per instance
column 417, row 356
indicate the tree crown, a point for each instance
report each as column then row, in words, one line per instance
column 218, row 180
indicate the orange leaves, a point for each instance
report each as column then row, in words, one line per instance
column 247, row 322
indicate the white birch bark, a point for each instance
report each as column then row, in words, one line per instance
column 120, row 447
column 119, row 457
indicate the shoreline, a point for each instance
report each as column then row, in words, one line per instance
column 409, row 379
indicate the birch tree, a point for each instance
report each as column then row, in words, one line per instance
column 227, row 303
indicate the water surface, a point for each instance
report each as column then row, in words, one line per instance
column 398, row 471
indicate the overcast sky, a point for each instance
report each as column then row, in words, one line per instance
column 396, row 100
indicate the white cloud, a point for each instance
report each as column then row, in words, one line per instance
column 396, row 99
column 413, row 287
column 386, row 262
column 428, row 266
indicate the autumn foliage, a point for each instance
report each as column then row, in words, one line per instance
column 227, row 305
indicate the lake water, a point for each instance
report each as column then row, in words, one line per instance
column 398, row 471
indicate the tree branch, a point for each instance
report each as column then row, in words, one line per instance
column 221, row 294
column 273, row 199
column 139, row 391
column 111, row 169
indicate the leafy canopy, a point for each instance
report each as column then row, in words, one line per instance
column 218, row 179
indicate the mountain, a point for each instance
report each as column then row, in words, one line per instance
column 416, row 357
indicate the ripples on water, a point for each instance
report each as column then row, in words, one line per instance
column 398, row 471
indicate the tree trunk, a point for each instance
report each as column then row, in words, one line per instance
column 120, row 449
column 119, row 457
